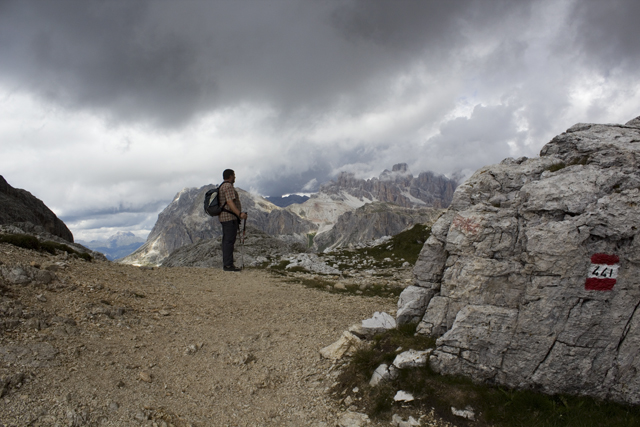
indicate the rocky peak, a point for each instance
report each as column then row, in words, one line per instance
column 397, row 186
column 531, row 278
column 634, row 122
column 19, row 206
column 400, row 167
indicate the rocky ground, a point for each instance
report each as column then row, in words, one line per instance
column 98, row 343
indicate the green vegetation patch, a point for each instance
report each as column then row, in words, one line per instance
column 280, row 266
column 493, row 406
column 556, row 167
column 314, row 283
column 403, row 247
column 32, row 243
column 582, row 160
column 21, row 240
column 310, row 237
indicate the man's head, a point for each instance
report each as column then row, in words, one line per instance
column 228, row 175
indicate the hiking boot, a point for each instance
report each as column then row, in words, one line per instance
column 232, row 268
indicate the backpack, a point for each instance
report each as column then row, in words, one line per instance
column 212, row 203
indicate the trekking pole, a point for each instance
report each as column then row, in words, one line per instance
column 244, row 229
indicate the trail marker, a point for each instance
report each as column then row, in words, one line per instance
column 603, row 272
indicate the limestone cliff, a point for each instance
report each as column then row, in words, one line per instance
column 371, row 222
column 338, row 202
column 532, row 277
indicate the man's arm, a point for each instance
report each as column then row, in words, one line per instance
column 235, row 210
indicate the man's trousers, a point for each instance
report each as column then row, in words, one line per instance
column 229, row 233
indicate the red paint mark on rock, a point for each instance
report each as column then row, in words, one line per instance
column 466, row 225
column 603, row 272
column 605, row 259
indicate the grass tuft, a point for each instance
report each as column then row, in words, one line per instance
column 556, row 167
column 280, row 266
column 582, row 160
column 494, row 406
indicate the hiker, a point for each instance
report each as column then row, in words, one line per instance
column 229, row 218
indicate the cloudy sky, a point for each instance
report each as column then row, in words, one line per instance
column 109, row 108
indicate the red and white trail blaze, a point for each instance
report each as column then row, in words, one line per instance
column 603, row 272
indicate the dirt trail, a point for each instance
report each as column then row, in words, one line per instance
column 115, row 345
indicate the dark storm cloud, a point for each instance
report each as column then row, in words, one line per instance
column 293, row 183
column 100, row 55
column 167, row 62
column 608, row 33
column 414, row 26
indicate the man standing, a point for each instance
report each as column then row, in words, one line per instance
column 229, row 218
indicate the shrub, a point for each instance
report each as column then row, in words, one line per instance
column 310, row 237
column 21, row 240
column 27, row 241
column 51, row 247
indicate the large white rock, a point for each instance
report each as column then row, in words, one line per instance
column 512, row 269
column 412, row 304
column 411, row 359
column 403, row 396
column 380, row 322
column 312, row 263
column 346, row 345
column 382, row 373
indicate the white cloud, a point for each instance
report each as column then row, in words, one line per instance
column 311, row 185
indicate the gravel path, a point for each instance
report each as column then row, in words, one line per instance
column 115, row 345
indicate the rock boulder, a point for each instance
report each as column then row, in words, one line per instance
column 533, row 273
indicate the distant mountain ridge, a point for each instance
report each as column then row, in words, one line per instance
column 372, row 221
column 397, row 186
column 116, row 246
column 284, row 201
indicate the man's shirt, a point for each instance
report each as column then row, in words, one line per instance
column 228, row 192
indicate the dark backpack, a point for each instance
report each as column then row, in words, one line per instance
column 212, row 203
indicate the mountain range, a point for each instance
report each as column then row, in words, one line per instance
column 401, row 200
